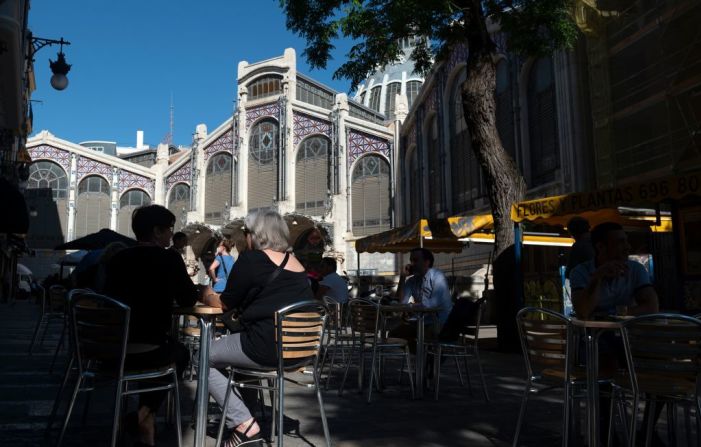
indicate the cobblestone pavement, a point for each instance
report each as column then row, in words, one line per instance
column 27, row 392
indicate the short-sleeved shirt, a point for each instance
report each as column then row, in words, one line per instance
column 338, row 288
column 226, row 263
column 582, row 251
column 431, row 290
column 614, row 291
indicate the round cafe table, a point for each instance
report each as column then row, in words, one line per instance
column 205, row 316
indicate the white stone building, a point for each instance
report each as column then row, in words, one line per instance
column 292, row 144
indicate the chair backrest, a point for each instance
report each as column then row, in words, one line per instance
column 57, row 298
column 100, row 330
column 364, row 316
column 545, row 341
column 299, row 329
column 334, row 317
column 666, row 350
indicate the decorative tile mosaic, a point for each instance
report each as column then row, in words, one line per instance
column 304, row 125
column 360, row 143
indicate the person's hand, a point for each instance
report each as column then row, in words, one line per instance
column 612, row 269
column 407, row 270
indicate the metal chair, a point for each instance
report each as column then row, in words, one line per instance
column 663, row 354
column 467, row 346
column 367, row 332
column 547, row 340
column 100, row 329
column 299, row 329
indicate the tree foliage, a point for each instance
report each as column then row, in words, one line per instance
column 532, row 27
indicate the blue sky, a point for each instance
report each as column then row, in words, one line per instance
column 128, row 57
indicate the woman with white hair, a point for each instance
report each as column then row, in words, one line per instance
column 264, row 279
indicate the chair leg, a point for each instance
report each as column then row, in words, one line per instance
column 372, row 370
column 345, row 373
column 331, row 363
column 438, row 352
column 457, row 366
column 566, row 415
column 117, row 411
column 672, row 423
column 650, row 422
column 58, row 348
column 324, row 422
column 481, row 371
column 698, row 421
column 280, row 408
column 522, row 413
column 634, row 419
column 57, row 401
column 35, row 335
column 220, row 432
column 273, row 405
column 408, row 369
column 178, row 421
column 69, row 410
column 261, row 400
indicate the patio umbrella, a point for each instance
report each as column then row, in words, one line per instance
column 95, row 241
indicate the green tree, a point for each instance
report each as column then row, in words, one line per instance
column 532, row 27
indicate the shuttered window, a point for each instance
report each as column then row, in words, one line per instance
column 262, row 165
column 217, row 188
column 93, row 206
column 130, row 201
column 370, row 196
column 412, row 91
column 374, row 103
column 179, row 203
column 542, row 123
column 47, row 194
column 436, row 180
column 312, row 176
column 393, row 90
column 504, row 108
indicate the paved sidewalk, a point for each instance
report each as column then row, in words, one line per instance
column 27, row 391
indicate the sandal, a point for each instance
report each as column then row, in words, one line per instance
column 238, row 438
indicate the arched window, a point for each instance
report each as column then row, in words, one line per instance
column 412, row 91
column 504, row 108
column 262, row 165
column 264, row 87
column 93, row 206
column 466, row 177
column 414, row 187
column 361, row 98
column 48, row 175
column 393, row 89
column 312, row 175
column 542, row 123
column 130, row 201
column 179, row 202
column 370, row 196
column 374, row 103
column 217, row 186
column 47, row 193
column 436, row 179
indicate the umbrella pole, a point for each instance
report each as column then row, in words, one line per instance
column 358, row 263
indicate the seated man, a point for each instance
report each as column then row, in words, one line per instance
column 611, row 279
column 149, row 279
column 428, row 287
column 331, row 284
column 602, row 284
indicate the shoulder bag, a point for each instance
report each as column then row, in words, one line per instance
column 232, row 318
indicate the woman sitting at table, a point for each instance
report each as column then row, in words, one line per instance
column 249, row 289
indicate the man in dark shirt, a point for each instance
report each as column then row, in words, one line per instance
column 582, row 249
column 150, row 279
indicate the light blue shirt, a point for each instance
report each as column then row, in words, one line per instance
column 226, row 263
column 613, row 291
column 431, row 290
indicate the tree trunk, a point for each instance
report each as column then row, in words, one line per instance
column 505, row 185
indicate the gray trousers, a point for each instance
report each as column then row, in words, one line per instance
column 224, row 352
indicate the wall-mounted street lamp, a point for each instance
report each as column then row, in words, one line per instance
column 59, row 67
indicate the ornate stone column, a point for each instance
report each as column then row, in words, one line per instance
column 114, row 207
column 71, row 197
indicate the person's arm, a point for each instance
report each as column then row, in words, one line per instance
column 403, row 292
column 644, row 295
column 213, row 270
column 586, row 291
column 179, row 284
